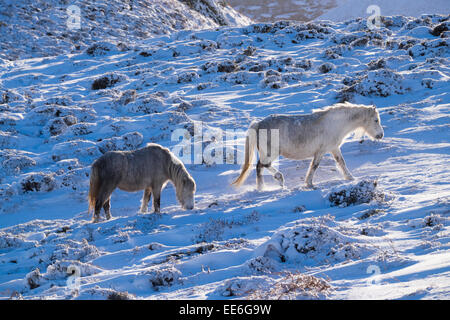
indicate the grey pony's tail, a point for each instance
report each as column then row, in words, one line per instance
column 94, row 187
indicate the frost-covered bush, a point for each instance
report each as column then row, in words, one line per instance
column 241, row 77
column 81, row 129
column 8, row 140
column 242, row 286
column 219, row 66
column 315, row 240
column 215, row 228
column 353, row 194
column 440, row 29
column 37, row 182
column 149, row 104
column 261, row 265
column 129, row 141
column 272, row 79
column 18, row 163
column 62, row 270
column 106, row 81
column 55, row 127
column 34, row 279
column 433, row 48
column 293, row 286
column 100, row 49
column 127, row 96
column 75, row 179
column 11, row 241
column 326, row 67
column 187, row 76
column 163, row 277
column 75, row 148
column 381, row 82
column 74, row 250
column 42, row 114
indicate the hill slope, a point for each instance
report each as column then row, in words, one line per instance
column 30, row 28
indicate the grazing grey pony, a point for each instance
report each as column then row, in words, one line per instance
column 148, row 169
column 309, row 136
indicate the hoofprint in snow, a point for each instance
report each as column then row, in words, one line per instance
column 384, row 235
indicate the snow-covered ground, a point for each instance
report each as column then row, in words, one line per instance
column 384, row 235
column 30, row 28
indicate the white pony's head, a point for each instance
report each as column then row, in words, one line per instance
column 372, row 124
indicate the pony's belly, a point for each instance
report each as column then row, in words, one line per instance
column 297, row 153
column 131, row 187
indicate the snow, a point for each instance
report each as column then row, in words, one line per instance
column 383, row 236
column 42, row 27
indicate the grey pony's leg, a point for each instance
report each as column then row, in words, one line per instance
column 157, row 199
column 312, row 169
column 337, row 155
column 102, row 200
column 146, row 199
column 107, row 208
column 96, row 216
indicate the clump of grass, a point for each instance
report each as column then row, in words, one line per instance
column 293, row 286
column 215, row 228
column 117, row 295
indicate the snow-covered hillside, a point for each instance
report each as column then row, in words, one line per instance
column 385, row 235
column 351, row 9
column 30, row 28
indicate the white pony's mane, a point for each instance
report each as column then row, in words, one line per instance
column 342, row 105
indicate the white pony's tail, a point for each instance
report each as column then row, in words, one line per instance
column 250, row 144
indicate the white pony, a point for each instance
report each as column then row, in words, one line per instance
column 308, row 136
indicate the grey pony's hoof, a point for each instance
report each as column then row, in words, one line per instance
column 95, row 220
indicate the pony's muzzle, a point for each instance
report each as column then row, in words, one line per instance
column 379, row 136
column 189, row 207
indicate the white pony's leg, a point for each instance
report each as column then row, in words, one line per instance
column 259, row 177
column 146, row 199
column 276, row 174
column 337, row 155
column 312, row 169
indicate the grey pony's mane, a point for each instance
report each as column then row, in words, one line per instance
column 176, row 172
